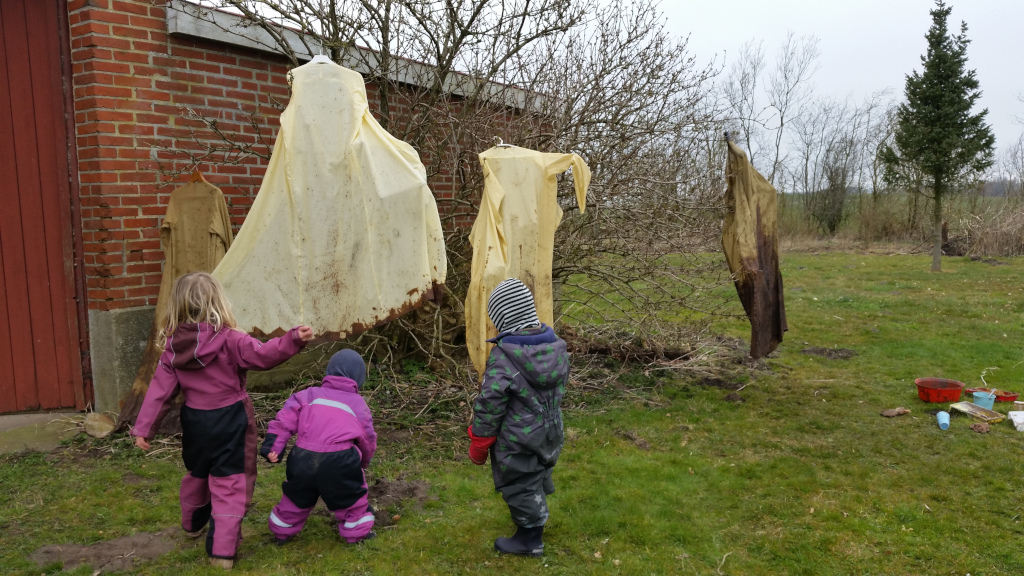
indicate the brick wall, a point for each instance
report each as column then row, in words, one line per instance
column 132, row 81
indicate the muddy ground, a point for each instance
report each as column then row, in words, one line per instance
column 830, row 353
column 388, row 497
column 117, row 555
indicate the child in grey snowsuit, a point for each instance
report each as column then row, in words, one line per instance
column 517, row 416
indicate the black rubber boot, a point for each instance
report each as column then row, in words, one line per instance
column 526, row 542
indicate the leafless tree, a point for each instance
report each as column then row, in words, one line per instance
column 1010, row 169
column 763, row 127
column 834, row 154
column 636, row 105
column 820, row 165
column 742, row 91
column 788, row 86
column 603, row 79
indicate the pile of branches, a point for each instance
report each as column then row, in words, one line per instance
column 995, row 232
column 602, row 79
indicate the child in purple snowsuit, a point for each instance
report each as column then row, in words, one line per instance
column 206, row 359
column 334, row 444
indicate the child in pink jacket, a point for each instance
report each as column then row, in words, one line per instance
column 205, row 358
column 334, row 444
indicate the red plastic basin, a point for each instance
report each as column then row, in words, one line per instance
column 938, row 389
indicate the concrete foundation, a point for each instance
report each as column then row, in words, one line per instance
column 117, row 339
column 40, row 432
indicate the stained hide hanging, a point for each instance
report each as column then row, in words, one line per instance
column 344, row 234
column 514, row 233
column 195, row 234
column 749, row 238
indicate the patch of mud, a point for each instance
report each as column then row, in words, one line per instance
column 734, row 397
column 635, row 438
column 989, row 261
column 758, row 364
column 715, row 382
column 117, row 555
column 830, row 353
column 132, row 479
column 389, row 497
column 76, row 455
column 396, row 436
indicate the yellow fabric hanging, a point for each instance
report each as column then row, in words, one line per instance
column 195, row 235
column 344, row 234
column 749, row 238
column 514, row 233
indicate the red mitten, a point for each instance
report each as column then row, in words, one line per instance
column 478, row 447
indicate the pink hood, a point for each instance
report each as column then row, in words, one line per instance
column 194, row 346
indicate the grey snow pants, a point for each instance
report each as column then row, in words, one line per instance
column 526, row 498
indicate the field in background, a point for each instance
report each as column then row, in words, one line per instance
column 661, row 474
column 977, row 225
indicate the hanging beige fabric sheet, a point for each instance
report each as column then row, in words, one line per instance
column 344, row 234
column 752, row 250
column 514, row 233
column 195, row 234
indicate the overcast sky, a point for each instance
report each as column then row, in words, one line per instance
column 868, row 45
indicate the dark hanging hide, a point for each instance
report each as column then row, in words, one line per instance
column 752, row 250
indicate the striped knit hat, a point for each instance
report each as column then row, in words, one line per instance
column 511, row 307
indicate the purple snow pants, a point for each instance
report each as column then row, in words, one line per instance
column 334, row 476
column 219, row 450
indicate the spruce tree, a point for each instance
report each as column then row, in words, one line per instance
column 936, row 134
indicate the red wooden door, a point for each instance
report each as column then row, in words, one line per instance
column 40, row 352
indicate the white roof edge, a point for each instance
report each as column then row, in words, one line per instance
column 189, row 19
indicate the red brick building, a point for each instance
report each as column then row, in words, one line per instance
column 90, row 138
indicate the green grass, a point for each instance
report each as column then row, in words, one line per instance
column 804, row 477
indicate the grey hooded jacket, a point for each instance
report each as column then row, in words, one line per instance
column 519, row 402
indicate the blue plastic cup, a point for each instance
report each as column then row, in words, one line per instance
column 943, row 418
column 984, row 399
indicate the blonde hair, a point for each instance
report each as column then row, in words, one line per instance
column 197, row 297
